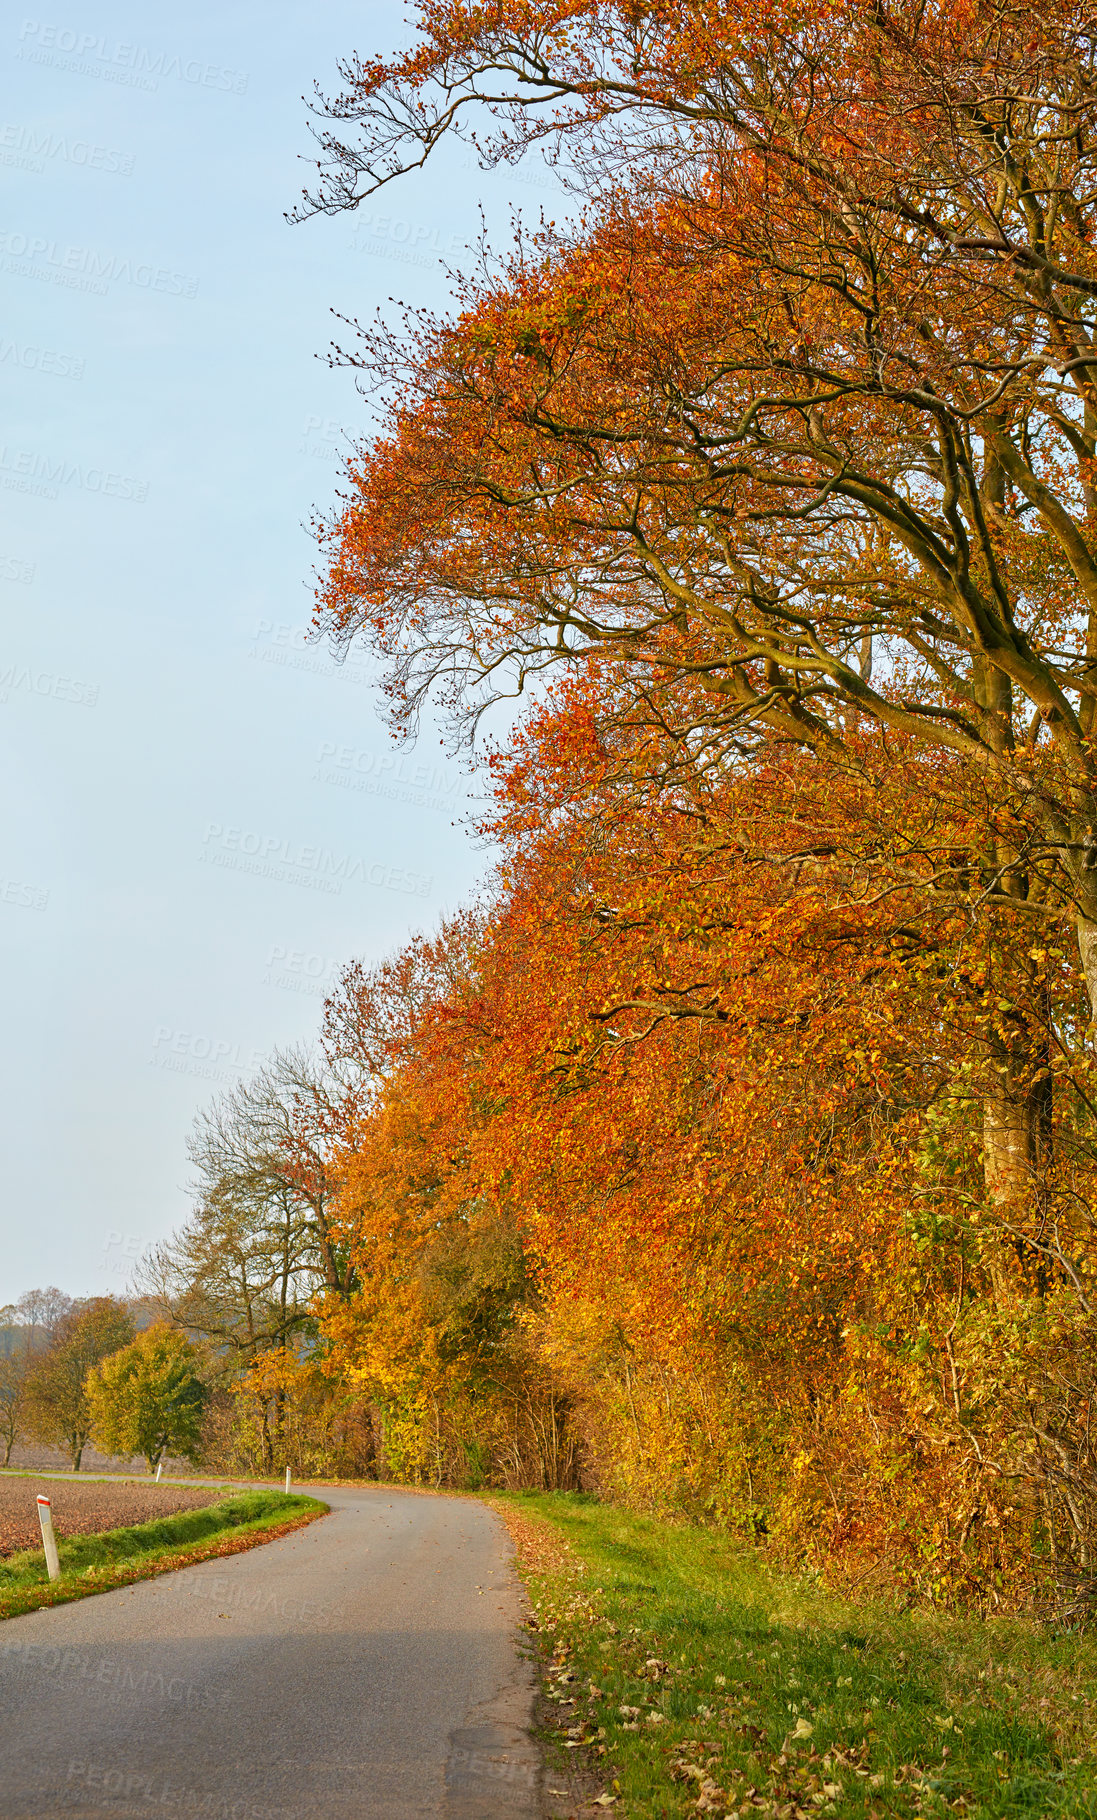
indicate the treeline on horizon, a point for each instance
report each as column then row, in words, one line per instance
column 736, row 1155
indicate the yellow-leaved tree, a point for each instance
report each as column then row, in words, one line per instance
column 148, row 1398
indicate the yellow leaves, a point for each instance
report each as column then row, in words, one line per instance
column 684, row 1771
column 684, row 1091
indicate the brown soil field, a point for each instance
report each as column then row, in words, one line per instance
column 81, row 1507
column 35, row 1456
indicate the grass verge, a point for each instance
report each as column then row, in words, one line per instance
column 117, row 1557
column 683, row 1675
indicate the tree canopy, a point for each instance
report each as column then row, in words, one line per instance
column 57, row 1381
column 795, row 428
column 148, row 1397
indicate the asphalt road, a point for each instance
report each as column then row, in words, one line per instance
column 365, row 1666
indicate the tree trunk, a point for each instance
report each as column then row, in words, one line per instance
column 1017, row 1114
column 1087, row 948
column 1011, row 1144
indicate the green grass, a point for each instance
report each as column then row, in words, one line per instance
column 116, row 1557
column 758, row 1693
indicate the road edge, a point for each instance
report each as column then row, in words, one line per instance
column 109, row 1579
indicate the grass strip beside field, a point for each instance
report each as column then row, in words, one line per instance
column 685, row 1676
column 118, row 1557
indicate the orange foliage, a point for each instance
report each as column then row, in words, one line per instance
column 806, row 409
column 730, row 1104
column 740, row 1154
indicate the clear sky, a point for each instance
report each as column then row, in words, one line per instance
column 206, row 816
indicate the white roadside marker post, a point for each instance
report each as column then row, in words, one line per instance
column 49, row 1540
column 159, row 1470
column 287, row 1478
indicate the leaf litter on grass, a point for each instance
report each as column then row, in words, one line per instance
column 731, row 1689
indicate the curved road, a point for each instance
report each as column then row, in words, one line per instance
column 366, row 1666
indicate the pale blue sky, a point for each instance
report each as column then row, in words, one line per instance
column 197, row 837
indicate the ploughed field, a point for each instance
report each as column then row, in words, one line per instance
column 82, row 1507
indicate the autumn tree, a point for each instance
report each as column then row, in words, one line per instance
column 148, row 1397
column 26, row 1326
column 802, row 416
column 727, row 1100
column 289, row 1411
column 434, row 1332
column 242, row 1273
column 37, row 1313
column 57, row 1381
column 259, row 1243
column 13, row 1398
column 270, row 1139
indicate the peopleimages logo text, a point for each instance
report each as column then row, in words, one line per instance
column 24, row 896
column 48, row 683
column 295, row 970
column 118, row 60
column 269, row 856
column 29, row 147
column 29, row 471
column 38, row 256
column 193, row 1045
column 35, row 359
